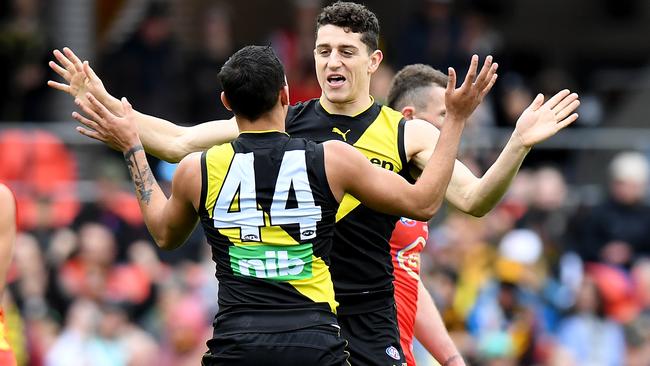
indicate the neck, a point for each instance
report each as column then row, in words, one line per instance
column 348, row 108
column 273, row 120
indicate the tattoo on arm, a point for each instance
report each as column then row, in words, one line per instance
column 141, row 175
column 451, row 360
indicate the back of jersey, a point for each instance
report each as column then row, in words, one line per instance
column 268, row 214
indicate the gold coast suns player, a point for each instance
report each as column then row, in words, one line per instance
column 7, row 239
column 268, row 204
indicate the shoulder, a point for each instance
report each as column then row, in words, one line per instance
column 301, row 109
column 390, row 113
column 6, row 196
column 189, row 163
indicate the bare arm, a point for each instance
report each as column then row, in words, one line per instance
column 477, row 196
column 159, row 137
column 7, row 233
column 382, row 190
column 431, row 332
column 170, row 221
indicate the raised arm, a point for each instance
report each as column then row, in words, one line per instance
column 477, row 196
column 348, row 171
column 7, row 233
column 170, row 221
column 161, row 138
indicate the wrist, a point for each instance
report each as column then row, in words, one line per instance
column 455, row 360
column 518, row 142
column 131, row 148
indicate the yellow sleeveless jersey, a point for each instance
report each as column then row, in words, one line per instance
column 268, row 214
column 361, row 266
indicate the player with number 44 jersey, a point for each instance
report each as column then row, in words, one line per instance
column 268, row 203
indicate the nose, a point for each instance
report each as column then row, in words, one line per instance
column 334, row 61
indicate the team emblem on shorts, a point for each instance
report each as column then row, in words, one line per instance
column 408, row 222
column 393, row 352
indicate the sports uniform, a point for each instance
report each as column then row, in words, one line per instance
column 268, row 214
column 406, row 244
column 7, row 356
column 361, row 267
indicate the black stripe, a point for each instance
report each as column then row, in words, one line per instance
column 401, row 149
column 204, row 184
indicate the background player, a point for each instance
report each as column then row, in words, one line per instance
column 7, row 239
column 418, row 91
column 346, row 56
column 266, row 169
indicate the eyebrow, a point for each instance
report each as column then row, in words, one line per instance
column 324, row 45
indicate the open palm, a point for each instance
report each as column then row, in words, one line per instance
column 80, row 77
column 543, row 120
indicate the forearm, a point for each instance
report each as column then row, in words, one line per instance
column 171, row 142
column 431, row 332
column 432, row 184
column 150, row 196
column 489, row 189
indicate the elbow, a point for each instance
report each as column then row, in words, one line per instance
column 165, row 243
column 478, row 212
column 426, row 213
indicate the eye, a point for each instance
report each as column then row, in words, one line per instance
column 324, row 52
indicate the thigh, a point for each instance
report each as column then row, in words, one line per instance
column 373, row 338
column 302, row 347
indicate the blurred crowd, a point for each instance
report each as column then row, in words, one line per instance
column 547, row 278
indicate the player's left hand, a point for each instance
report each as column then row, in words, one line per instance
column 543, row 120
column 120, row 133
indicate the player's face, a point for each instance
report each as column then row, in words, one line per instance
column 343, row 64
column 435, row 109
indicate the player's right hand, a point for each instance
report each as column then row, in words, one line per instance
column 80, row 77
column 461, row 102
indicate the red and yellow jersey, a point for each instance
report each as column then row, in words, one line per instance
column 6, row 355
column 406, row 243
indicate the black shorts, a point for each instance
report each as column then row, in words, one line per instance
column 373, row 337
column 318, row 345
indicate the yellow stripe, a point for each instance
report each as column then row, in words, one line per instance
column 217, row 161
column 348, row 203
column 319, row 288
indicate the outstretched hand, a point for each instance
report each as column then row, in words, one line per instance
column 543, row 120
column 80, row 77
column 120, row 133
column 461, row 102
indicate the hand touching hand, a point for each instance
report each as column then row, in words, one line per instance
column 462, row 102
column 541, row 121
column 120, row 133
column 80, row 77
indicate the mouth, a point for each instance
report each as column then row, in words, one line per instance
column 335, row 80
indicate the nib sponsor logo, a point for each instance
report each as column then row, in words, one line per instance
column 270, row 262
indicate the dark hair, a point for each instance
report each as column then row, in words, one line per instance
column 354, row 18
column 409, row 84
column 251, row 80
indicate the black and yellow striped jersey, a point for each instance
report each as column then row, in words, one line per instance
column 268, row 214
column 361, row 266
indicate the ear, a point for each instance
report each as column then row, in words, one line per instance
column 375, row 59
column 408, row 112
column 284, row 95
column 224, row 100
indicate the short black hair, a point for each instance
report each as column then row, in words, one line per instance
column 251, row 80
column 409, row 83
column 354, row 18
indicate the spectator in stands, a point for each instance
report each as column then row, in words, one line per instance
column 587, row 337
column 618, row 230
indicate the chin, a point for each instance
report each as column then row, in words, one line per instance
column 337, row 96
